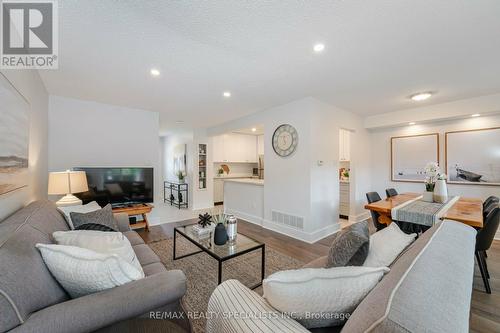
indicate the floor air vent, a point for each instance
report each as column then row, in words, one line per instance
column 293, row 221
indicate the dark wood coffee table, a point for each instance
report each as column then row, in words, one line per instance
column 221, row 253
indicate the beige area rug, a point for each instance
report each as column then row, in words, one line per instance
column 201, row 271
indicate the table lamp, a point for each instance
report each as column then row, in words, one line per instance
column 68, row 182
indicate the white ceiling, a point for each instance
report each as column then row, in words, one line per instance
column 377, row 53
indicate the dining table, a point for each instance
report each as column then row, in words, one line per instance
column 465, row 210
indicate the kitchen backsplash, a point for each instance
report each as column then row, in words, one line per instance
column 237, row 169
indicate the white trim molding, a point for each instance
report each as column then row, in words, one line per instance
column 244, row 216
column 308, row 237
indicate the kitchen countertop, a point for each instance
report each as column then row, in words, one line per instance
column 250, row 181
column 236, row 177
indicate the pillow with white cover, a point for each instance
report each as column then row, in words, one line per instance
column 81, row 271
column 87, row 208
column 386, row 245
column 100, row 241
column 321, row 297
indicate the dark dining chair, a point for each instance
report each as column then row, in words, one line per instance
column 488, row 205
column 489, row 200
column 374, row 197
column 390, row 192
column 484, row 238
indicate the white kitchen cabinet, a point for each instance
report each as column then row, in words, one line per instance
column 344, row 145
column 260, row 145
column 218, row 190
column 235, row 148
column 218, row 148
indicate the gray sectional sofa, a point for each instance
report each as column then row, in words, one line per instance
column 31, row 300
column 428, row 289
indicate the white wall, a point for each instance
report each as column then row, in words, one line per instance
column 167, row 146
column 297, row 185
column 29, row 84
column 381, row 154
column 90, row 134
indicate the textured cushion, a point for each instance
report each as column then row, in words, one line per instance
column 87, row 208
column 231, row 301
column 99, row 241
column 349, row 246
column 26, row 285
column 386, row 245
column 82, row 272
column 94, row 226
column 321, row 297
column 102, row 216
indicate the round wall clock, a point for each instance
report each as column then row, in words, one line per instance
column 285, row 140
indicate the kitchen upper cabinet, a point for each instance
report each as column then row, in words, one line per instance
column 344, row 145
column 236, row 148
column 218, row 148
column 260, row 145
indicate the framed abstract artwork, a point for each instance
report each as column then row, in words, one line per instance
column 473, row 156
column 14, row 138
column 410, row 154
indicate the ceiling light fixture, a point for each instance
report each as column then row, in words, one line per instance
column 475, row 115
column 254, row 129
column 319, row 47
column 412, row 123
column 154, row 72
column 226, row 94
column 421, row 96
column 179, row 121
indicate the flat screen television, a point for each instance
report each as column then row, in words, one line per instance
column 118, row 186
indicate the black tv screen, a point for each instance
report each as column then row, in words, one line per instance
column 118, row 186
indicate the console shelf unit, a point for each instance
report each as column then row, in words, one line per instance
column 173, row 191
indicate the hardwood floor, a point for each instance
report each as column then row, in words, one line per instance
column 485, row 308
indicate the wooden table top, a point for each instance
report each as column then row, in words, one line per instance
column 465, row 210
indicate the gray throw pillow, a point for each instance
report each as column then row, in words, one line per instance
column 350, row 246
column 102, row 216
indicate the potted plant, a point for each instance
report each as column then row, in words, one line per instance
column 431, row 173
column 220, row 172
column 181, row 175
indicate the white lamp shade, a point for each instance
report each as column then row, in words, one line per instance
column 67, row 182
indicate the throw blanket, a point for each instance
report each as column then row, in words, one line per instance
column 422, row 212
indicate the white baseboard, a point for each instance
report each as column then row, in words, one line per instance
column 286, row 230
column 308, row 237
column 359, row 217
column 245, row 216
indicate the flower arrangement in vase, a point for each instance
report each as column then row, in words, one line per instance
column 434, row 176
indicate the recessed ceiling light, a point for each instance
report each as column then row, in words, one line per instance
column 226, row 94
column 319, row 47
column 475, row 115
column 154, row 72
column 411, row 123
column 254, row 129
column 179, row 121
column 421, row 96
